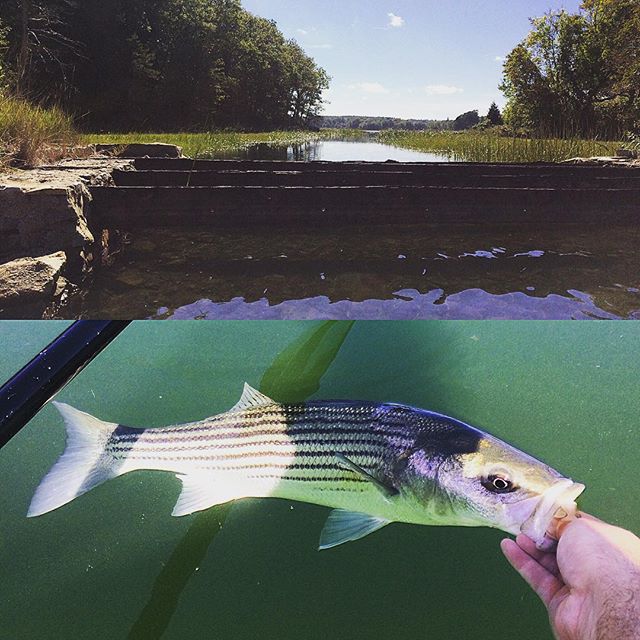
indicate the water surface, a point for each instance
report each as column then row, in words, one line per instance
column 367, row 149
column 115, row 564
column 384, row 271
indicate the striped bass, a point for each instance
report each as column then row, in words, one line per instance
column 373, row 463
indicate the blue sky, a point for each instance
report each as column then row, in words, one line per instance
column 408, row 58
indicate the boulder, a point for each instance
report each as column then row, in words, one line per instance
column 140, row 150
column 41, row 217
column 28, row 285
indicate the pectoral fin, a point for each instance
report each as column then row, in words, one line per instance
column 344, row 526
column 387, row 490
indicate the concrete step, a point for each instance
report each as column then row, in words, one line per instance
column 433, row 168
column 139, row 207
column 331, row 178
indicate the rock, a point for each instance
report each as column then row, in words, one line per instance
column 48, row 209
column 140, row 150
column 28, row 285
column 38, row 218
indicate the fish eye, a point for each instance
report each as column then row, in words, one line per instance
column 498, row 483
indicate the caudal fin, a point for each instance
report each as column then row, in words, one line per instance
column 84, row 464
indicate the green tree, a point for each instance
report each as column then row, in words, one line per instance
column 577, row 73
column 494, row 116
column 160, row 64
column 466, row 120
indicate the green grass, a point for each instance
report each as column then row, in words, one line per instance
column 485, row 147
column 215, row 143
column 29, row 133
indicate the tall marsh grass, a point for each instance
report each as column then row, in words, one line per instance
column 29, row 133
column 486, row 147
column 207, row 145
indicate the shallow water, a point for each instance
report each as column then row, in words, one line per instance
column 115, row 564
column 410, row 271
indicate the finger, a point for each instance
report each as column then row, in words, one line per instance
column 542, row 581
column 546, row 559
column 580, row 515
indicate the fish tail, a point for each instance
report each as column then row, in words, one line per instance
column 84, row 464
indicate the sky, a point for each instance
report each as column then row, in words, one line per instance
column 408, row 58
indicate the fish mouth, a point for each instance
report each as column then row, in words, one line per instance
column 556, row 504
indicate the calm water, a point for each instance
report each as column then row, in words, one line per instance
column 115, row 564
column 411, row 271
column 334, row 150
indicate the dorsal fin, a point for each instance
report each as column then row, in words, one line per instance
column 251, row 398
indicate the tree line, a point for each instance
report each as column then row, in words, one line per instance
column 467, row 120
column 121, row 65
column 577, row 74
column 378, row 123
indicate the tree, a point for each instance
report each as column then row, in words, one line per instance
column 306, row 82
column 577, row 73
column 40, row 47
column 3, row 50
column 160, row 64
column 494, row 116
column 466, row 120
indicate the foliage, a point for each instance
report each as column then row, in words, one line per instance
column 155, row 64
column 378, row 123
column 466, row 120
column 487, row 146
column 633, row 142
column 3, row 48
column 577, row 74
column 26, row 131
column 494, row 116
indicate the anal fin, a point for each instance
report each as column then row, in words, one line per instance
column 201, row 491
column 345, row 526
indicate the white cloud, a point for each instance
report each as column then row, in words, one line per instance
column 395, row 21
column 302, row 32
column 442, row 89
column 320, row 46
column 370, row 87
column 499, row 58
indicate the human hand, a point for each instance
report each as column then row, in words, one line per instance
column 591, row 585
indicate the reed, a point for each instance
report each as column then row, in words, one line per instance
column 211, row 144
column 30, row 133
column 487, row 147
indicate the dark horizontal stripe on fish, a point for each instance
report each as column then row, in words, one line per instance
column 360, row 446
column 163, row 436
column 295, row 466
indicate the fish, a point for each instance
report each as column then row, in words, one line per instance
column 372, row 463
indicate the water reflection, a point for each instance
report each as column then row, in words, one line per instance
column 564, row 271
column 405, row 305
column 332, row 150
